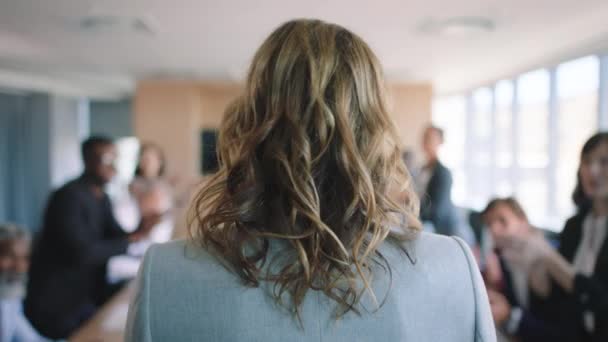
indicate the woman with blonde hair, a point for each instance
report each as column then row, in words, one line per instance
column 309, row 230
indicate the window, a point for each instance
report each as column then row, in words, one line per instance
column 523, row 137
column 577, row 89
column 124, row 207
column 482, row 154
column 449, row 113
column 504, row 158
column 533, row 143
column 533, row 97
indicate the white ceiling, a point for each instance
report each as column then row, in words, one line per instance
column 42, row 42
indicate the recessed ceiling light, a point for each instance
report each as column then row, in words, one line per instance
column 120, row 23
column 465, row 26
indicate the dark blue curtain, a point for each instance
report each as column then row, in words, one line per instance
column 24, row 158
column 12, row 109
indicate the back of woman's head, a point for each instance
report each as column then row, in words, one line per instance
column 309, row 155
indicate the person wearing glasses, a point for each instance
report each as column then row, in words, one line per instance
column 67, row 279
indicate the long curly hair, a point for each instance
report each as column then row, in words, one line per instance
column 308, row 155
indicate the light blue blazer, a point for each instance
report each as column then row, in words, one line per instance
column 436, row 294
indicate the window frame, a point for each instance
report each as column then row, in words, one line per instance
column 516, row 172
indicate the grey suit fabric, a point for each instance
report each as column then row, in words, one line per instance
column 435, row 293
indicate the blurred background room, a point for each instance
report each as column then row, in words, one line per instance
column 502, row 94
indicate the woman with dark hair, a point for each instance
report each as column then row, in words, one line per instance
column 578, row 294
column 299, row 236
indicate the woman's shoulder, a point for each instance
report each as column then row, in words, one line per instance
column 573, row 224
column 434, row 255
column 445, row 270
column 434, row 248
column 576, row 219
column 171, row 249
column 425, row 248
column 180, row 250
column 183, row 259
column 446, row 259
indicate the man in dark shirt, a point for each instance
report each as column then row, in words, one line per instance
column 67, row 281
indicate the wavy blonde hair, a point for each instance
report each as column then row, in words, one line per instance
column 308, row 154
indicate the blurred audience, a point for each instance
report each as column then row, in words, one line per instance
column 512, row 277
column 14, row 263
column 434, row 185
column 579, row 269
column 68, row 275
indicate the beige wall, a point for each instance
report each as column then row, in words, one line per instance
column 411, row 110
column 214, row 99
column 172, row 113
column 168, row 113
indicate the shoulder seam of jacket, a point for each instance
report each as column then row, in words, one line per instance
column 473, row 285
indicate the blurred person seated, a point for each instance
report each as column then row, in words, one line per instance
column 67, row 281
column 297, row 237
column 434, row 186
column 14, row 264
column 152, row 191
column 148, row 193
column 512, row 277
column 579, row 269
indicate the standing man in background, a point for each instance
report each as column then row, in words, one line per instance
column 435, row 186
column 80, row 234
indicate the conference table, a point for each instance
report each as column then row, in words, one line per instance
column 108, row 324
